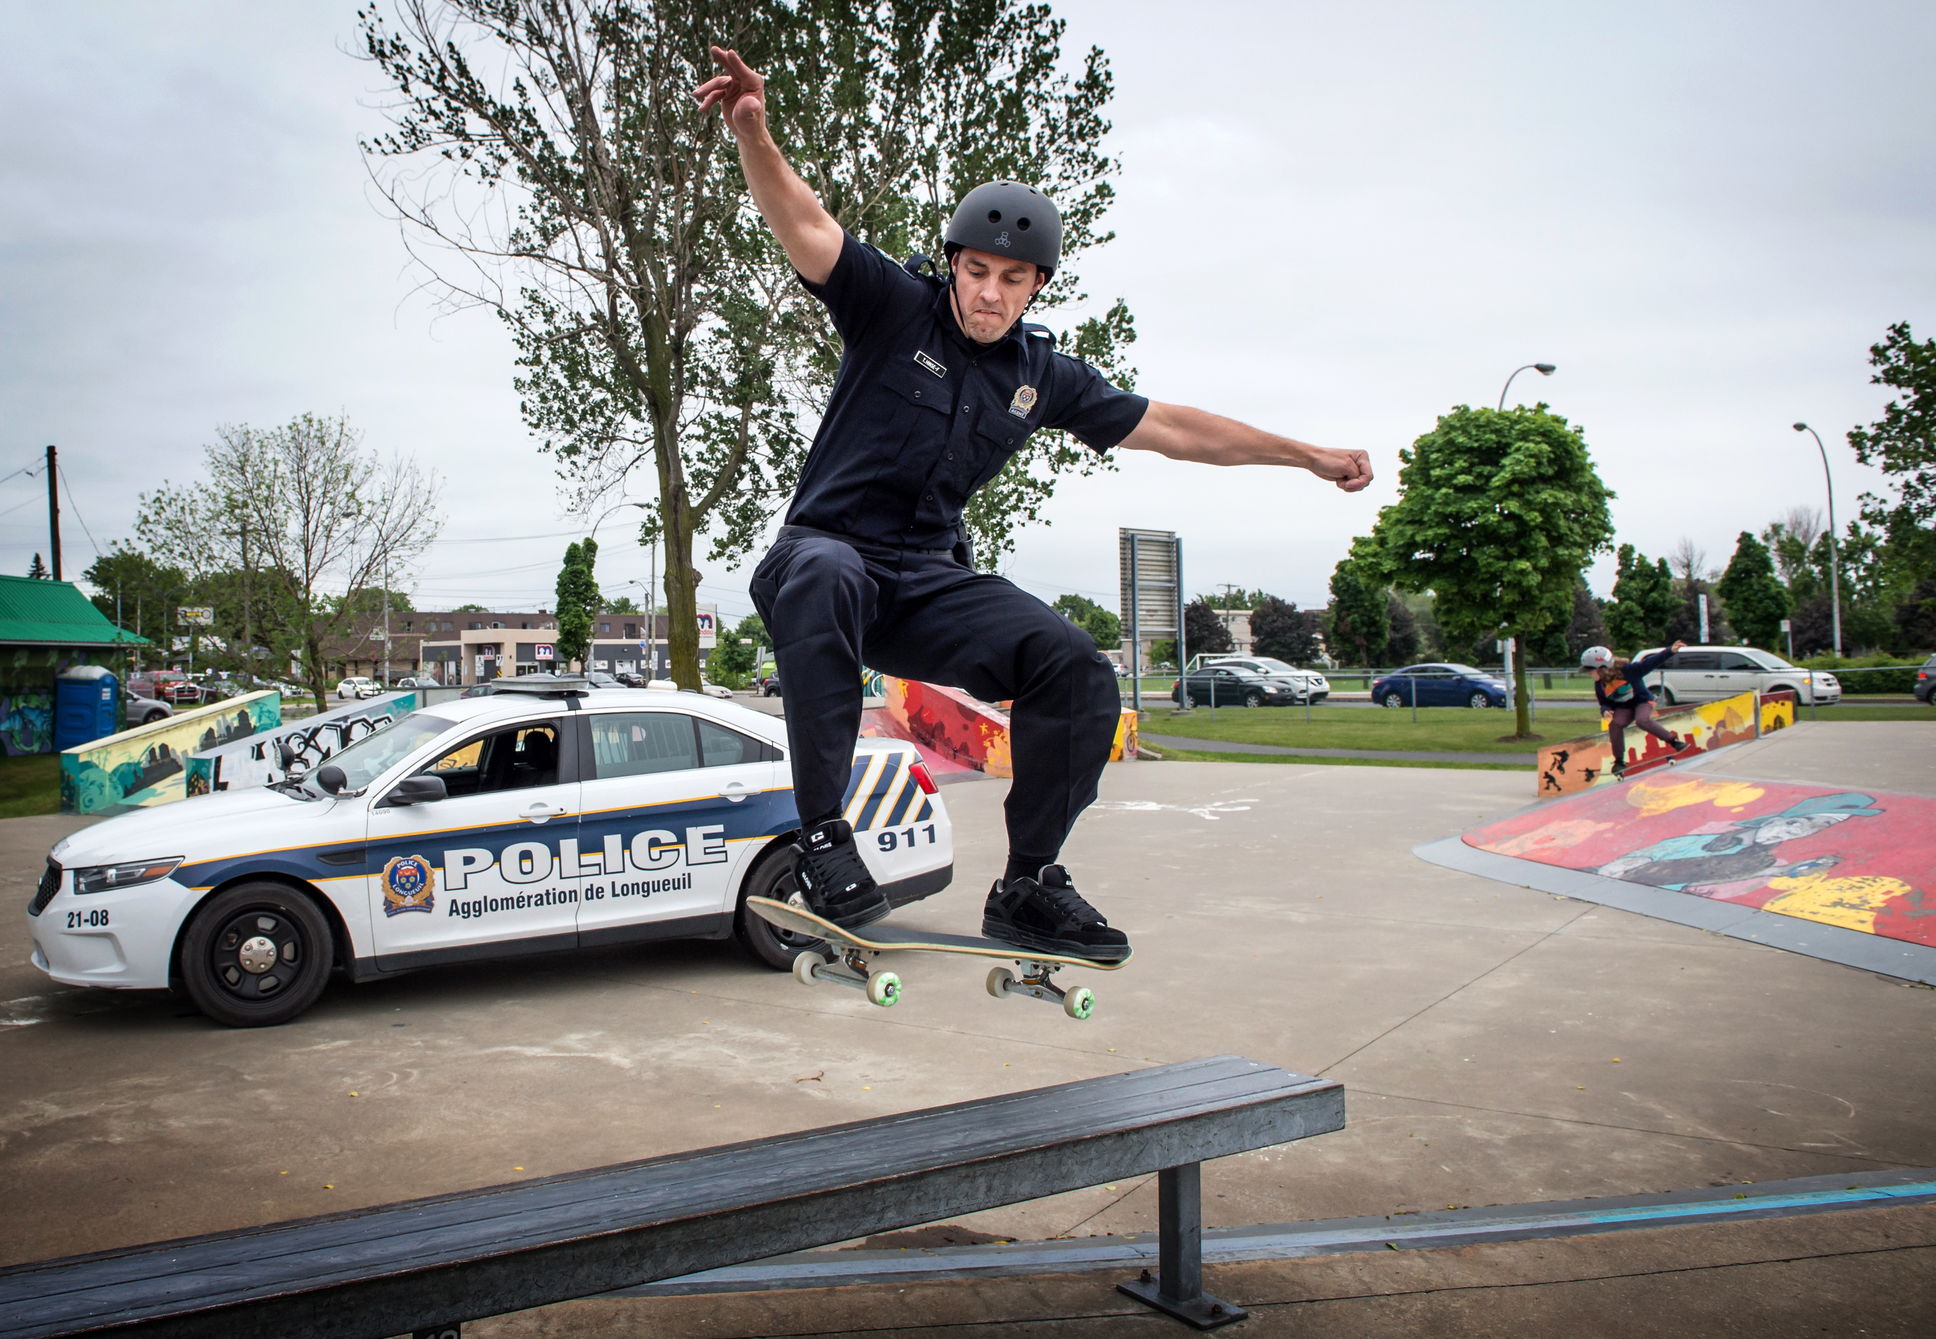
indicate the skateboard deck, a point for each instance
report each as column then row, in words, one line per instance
column 847, row 957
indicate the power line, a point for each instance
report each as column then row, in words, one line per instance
column 61, row 474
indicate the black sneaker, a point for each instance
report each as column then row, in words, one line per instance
column 1619, row 770
column 1046, row 913
column 833, row 878
column 1682, row 743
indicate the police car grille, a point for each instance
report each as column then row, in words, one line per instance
column 44, row 893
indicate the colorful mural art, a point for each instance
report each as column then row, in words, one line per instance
column 957, row 731
column 257, row 760
column 1574, row 765
column 1848, row 858
column 147, row 765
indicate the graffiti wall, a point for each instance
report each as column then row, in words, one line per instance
column 1853, row 859
column 27, row 675
column 257, row 760
column 959, row 730
column 148, row 764
column 1574, row 765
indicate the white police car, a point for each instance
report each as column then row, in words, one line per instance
column 525, row 822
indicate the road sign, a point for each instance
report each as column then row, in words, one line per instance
column 195, row 615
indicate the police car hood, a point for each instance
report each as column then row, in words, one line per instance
column 202, row 826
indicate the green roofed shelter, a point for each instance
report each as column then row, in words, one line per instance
column 36, row 612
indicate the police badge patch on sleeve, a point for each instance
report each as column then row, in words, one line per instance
column 1023, row 402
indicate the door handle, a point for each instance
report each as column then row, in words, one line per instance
column 540, row 812
column 736, row 791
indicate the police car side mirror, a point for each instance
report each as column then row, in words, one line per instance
column 415, row 790
column 331, row 778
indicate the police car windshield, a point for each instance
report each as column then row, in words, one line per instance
column 373, row 755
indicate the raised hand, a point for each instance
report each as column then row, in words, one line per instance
column 739, row 92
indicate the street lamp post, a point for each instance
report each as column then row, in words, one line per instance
column 1544, row 369
column 1834, row 564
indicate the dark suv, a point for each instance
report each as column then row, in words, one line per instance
column 1925, row 689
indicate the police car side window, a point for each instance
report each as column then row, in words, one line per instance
column 721, row 747
column 509, row 759
column 640, row 743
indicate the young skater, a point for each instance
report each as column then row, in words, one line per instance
column 1620, row 684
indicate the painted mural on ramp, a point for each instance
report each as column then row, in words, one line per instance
column 1854, row 859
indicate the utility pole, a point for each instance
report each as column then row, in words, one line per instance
column 248, row 623
column 53, row 505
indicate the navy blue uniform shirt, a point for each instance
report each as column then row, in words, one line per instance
column 921, row 416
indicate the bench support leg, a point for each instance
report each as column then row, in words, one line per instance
column 1178, row 1285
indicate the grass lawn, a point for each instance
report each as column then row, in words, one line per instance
column 1454, row 729
column 29, row 784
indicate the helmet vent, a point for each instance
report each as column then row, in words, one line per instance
column 994, row 216
column 1022, row 223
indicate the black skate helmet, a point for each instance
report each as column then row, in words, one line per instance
column 1006, row 218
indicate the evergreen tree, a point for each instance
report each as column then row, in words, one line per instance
column 1402, row 644
column 1360, row 616
column 578, row 602
column 1755, row 600
column 1643, row 602
column 39, row 572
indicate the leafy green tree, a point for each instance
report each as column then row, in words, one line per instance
column 624, row 605
column 1235, row 597
column 1105, row 629
column 1499, row 514
column 138, row 593
column 1278, row 628
column 1902, row 443
column 578, row 602
column 1161, row 653
column 752, row 629
column 1204, row 634
column 1755, row 599
column 1561, row 643
column 553, row 148
column 470, row 609
column 293, row 512
column 1360, row 615
column 732, row 660
column 1916, row 620
column 1643, row 602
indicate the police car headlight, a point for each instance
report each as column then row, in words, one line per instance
column 105, row 878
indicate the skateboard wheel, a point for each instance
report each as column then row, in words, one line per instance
column 803, row 965
column 1079, row 1003
column 883, row 988
column 999, row 980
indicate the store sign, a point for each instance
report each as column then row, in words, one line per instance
column 542, row 651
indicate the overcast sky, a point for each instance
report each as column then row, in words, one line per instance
column 1335, row 221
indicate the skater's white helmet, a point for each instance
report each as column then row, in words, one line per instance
column 1595, row 657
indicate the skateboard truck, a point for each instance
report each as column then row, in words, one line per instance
column 849, row 967
column 1037, row 981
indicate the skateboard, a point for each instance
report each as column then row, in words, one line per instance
column 849, row 957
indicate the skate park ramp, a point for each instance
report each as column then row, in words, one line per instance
column 956, row 732
column 1844, row 874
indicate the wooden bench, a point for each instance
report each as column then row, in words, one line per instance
column 428, row 1265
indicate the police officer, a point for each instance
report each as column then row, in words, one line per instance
column 940, row 384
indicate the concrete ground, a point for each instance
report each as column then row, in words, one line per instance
column 1498, row 1046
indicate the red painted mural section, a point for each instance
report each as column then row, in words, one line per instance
column 1863, row 861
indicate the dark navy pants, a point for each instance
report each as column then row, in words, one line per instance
column 832, row 604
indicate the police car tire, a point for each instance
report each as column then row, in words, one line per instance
column 767, row 942
column 209, row 965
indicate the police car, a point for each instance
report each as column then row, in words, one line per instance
column 524, row 822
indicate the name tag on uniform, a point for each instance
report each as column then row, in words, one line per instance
column 930, row 364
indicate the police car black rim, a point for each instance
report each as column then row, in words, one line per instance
column 766, row 941
column 257, row 954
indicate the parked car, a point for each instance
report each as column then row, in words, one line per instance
column 1226, row 686
column 1925, row 689
column 358, row 686
column 170, row 686
column 1309, row 683
column 1441, row 684
column 546, row 818
column 416, row 681
column 770, row 685
column 146, row 710
column 1703, row 673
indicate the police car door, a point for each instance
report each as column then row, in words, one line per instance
column 494, row 862
column 675, row 806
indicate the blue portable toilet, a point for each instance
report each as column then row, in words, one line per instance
column 84, row 705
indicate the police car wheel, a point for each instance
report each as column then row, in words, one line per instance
column 255, row 955
column 766, row 941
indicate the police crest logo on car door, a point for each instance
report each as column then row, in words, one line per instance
column 409, row 884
